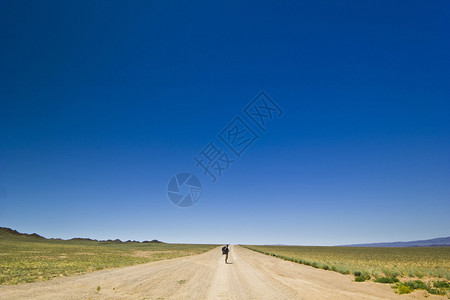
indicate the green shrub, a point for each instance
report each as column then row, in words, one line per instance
column 404, row 289
column 416, row 285
column 361, row 276
column 441, row 284
column 386, row 280
column 440, row 287
column 437, row 291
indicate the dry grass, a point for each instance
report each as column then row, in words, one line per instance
column 409, row 262
column 28, row 260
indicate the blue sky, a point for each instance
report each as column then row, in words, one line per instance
column 102, row 102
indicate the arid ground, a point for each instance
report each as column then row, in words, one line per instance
column 249, row 275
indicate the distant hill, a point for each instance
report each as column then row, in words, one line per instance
column 153, row 241
column 437, row 242
column 8, row 233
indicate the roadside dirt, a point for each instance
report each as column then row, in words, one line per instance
column 249, row 275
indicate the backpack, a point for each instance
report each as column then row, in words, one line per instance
column 224, row 250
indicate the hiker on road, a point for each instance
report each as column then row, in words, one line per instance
column 225, row 251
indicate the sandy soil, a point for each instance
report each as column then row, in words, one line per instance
column 249, row 275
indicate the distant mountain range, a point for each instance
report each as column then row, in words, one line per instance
column 6, row 233
column 437, row 242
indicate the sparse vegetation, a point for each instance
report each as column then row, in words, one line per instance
column 361, row 276
column 29, row 258
column 365, row 262
column 413, row 262
column 403, row 289
column 441, row 284
column 386, row 279
column 435, row 287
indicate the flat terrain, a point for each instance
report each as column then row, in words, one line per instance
column 250, row 275
column 405, row 262
column 25, row 259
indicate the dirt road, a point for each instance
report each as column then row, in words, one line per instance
column 249, row 275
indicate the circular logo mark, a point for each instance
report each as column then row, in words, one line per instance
column 184, row 189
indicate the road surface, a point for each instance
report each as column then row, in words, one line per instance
column 249, row 275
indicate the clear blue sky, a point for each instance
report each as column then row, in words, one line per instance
column 102, row 102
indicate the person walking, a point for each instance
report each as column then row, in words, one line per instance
column 225, row 251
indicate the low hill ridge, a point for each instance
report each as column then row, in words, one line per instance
column 6, row 233
column 436, row 242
